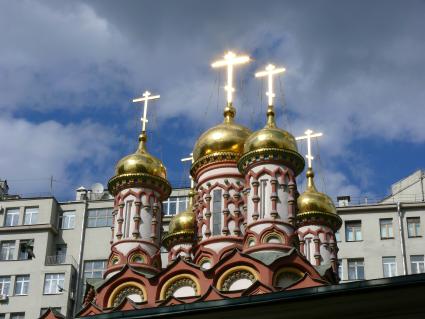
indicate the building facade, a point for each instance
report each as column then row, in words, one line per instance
column 40, row 237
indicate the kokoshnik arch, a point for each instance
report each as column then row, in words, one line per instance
column 247, row 229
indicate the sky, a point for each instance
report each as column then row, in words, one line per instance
column 355, row 70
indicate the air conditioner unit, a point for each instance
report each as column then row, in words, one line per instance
column 4, row 297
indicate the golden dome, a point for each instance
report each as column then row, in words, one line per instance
column 182, row 226
column 227, row 137
column 313, row 203
column 141, row 162
column 271, row 143
column 270, row 137
column 140, row 169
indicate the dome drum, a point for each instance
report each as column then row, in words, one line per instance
column 289, row 158
column 319, row 218
column 142, row 180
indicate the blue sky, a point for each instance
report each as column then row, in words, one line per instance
column 68, row 72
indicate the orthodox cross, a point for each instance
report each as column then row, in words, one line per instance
column 269, row 71
column 146, row 97
column 192, row 183
column 230, row 60
column 309, row 134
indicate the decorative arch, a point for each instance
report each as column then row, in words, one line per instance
column 272, row 237
column 185, row 283
column 125, row 290
column 287, row 276
column 236, row 277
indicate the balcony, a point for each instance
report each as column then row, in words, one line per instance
column 61, row 260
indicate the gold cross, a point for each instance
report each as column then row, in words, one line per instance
column 146, row 97
column 308, row 136
column 269, row 71
column 230, row 60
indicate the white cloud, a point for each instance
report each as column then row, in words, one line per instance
column 31, row 153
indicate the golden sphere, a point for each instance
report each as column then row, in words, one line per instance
column 182, row 222
column 225, row 137
column 312, row 201
column 270, row 137
column 140, row 162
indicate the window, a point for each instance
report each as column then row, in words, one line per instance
column 216, row 212
column 100, row 217
column 417, row 264
column 22, row 283
column 26, row 249
column 413, row 227
column 7, row 250
column 389, row 266
column 353, row 230
column 61, row 253
column 307, row 248
column 2, row 316
column 31, row 215
column 67, row 220
column 355, row 269
column 17, row 315
column 94, row 268
column 12, row 217
column 340, row 273
column 4, row 285
column 386, row 227
column 263, row 185
column 53, row 283
column 175, row 205
column 338, row 236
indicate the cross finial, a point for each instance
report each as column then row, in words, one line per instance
column 192, row 183
column 230, row 60
column 309, row 134
column 269, row 71
column 145, row 98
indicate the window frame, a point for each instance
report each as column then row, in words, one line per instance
column 17, row 315
column 53, row 282
column 108, row 217
column 25, row 285
column 216, row 214
column 16, row 212
column 5, row 280
column 356, row 263
column 416, row 227
column 418, row 264
column 11, row 252
column 388, row 266
column 67, row 216
column 388, row 228
column 31, row 215
column 176, row 201
column 356, row 227
column 93, row 270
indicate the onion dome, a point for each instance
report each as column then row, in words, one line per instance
column 224, row 141
column 272, row 143
column 140, row 169
column 182, row 227
column 315, row 207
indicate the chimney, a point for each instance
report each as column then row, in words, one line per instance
column 343, row 201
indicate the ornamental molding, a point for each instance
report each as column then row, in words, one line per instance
column 235, row 276
column 139, row 180
column 289, row 158
column 213, row 158
column 320, row 218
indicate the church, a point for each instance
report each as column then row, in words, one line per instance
column 249, row 239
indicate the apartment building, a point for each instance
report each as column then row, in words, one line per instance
column 48, row 249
